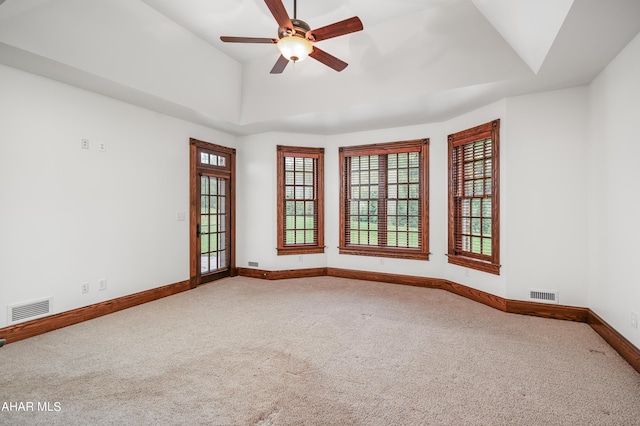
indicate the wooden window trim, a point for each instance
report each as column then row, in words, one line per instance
column 304, row 152
column 488, row 263
column 418, row 145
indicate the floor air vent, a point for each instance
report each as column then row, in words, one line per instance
column 30, row 310
column 544, row 296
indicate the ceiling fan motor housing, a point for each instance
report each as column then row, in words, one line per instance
column 300, row 29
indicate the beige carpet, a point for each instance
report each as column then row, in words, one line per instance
column 324, row 351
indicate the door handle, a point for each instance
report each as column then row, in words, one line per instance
column 198, row 230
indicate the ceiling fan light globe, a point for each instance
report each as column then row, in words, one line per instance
column 295, row 48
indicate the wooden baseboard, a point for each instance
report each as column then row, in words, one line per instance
column 35, row 327
column 544, row 310
column 625, row 348
column 282, row 274
column 386, row 278
column 476, row 295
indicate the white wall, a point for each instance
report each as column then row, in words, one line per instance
column 546, row 205
column 614, row 195
column 256, row 202
column 69, row 215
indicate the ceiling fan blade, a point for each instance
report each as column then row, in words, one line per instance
column 327, row 59
column 347, row 26
column 280, row 65
column 279, row 13
column 248, row 40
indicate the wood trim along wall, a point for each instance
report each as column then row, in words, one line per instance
column 35, row 327
column 386, row 278
column 281, row 275
column 479, row 296
column 618, row 342
column 545, row 310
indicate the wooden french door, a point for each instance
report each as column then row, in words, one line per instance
column 212, row 212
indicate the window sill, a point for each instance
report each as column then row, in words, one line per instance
column 299, row 250
column 384, row 252
column 469, row 262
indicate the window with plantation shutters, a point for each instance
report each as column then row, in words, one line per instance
column 300, row 200
column 384, row 199
column 474, row 198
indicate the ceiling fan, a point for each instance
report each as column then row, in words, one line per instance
column 296, row 38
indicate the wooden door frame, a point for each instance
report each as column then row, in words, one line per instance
column 195, row 168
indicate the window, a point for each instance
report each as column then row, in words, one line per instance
column 209, row 159
column 300, row 200
column 474, row 226
column 384, row 199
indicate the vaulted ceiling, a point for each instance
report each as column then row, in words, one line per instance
column 416, row 61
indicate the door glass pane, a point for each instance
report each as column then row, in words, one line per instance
column 213, row 224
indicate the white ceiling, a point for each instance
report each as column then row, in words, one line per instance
column 416, row 61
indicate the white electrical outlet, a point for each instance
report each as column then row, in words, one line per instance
column 84, row 288
column 102, row 284
column 102, row 146
column 84, row 143
column 634, row 319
